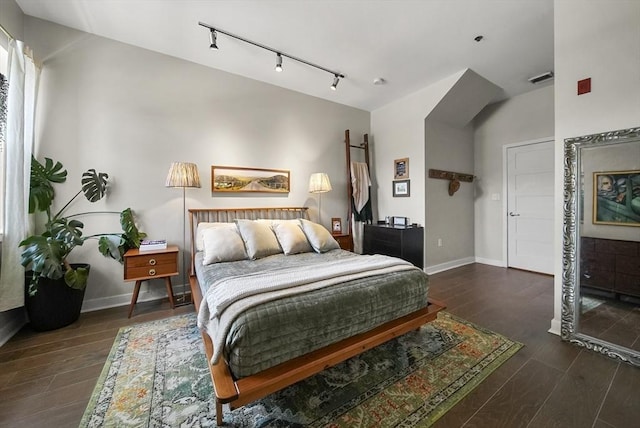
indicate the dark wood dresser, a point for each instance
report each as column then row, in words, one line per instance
column 404, row 242
column 610, row 265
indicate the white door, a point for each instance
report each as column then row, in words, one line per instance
column 530, row 186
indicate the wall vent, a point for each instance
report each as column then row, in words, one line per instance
column 541, row 78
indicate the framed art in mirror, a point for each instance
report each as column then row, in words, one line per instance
column 616, row 198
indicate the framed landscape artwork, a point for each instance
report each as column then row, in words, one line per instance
column 616, row 198
column 238, row 179
column 401, row 188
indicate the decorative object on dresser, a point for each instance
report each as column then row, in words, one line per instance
column 154, row 264
column 610, row 265
column 404, row 242
column 257, row 180
column 319, row 183
column 183, row 175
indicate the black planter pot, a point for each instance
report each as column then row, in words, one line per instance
column 55, row 305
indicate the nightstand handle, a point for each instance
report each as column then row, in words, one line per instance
column 152, row 262
column 152, row 272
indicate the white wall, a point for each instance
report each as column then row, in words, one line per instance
column 598, row 39
column 398, row 132
column 524, row 118
column 131, row 112
column 448, row 218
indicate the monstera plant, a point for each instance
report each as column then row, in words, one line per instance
column 45, row 254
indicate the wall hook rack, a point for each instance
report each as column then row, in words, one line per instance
column 454, row 178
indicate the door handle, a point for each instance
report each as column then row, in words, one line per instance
column 512, row 214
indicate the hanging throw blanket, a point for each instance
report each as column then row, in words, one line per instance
column 227, row 298
column 360, row 182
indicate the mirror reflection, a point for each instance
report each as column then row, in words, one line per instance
column 610, row 244
column 601, row 284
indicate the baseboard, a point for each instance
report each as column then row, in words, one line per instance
column 11, row 322
column 555, row 327
column 491, row 262
column 449, row 265
column 147, row 294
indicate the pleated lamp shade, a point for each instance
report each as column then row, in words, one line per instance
column 319, row 183
column 183, row 174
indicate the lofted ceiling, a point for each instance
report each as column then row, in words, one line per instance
column 411, row 44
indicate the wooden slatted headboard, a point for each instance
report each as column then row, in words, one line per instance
column 229, row 215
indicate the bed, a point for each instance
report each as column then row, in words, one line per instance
column 342, row 303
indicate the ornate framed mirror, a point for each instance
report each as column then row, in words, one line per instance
column 601, row 244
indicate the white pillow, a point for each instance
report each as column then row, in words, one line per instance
column 204, row 226
column 222, row 244
column 319, row 237
column 291, row 237
column 259, row 239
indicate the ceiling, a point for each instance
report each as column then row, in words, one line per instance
column 409, row 43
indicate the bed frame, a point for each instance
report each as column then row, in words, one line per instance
column 238, row 392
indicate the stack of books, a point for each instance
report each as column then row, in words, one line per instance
column 153, row 245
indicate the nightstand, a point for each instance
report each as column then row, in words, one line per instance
column 345, row 241
column 145, row 265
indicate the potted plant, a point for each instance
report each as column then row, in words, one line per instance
column 54, row 288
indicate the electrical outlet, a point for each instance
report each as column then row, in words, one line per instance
column 439, row 242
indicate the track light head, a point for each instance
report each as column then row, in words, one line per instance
column 212, row 37
column 278, row 63
column 336, row 80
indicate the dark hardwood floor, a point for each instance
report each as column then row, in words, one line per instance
column 46, row 379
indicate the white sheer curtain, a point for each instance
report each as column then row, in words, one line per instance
column 21, row 102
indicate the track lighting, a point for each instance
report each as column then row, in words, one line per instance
column 212, row 38
column 336, row 80
column 279, row 54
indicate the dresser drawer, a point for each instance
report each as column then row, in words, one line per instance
column 144, row 260
column 628, row 284
column 628, row 264
column 591, row 261
column 603, row 280
column 611, row 246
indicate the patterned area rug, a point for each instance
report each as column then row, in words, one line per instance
column 156, row 375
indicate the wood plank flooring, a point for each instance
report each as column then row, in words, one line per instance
column 46, row 379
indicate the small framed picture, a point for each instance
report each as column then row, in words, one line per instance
column 336, row 226
column 401, row 188
column 401, row 169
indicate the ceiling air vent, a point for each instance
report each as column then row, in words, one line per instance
column 541, row 78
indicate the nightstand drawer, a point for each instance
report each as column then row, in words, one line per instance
column 151, row 271
column 345, row 241
column 152, row 264
column 144, row 260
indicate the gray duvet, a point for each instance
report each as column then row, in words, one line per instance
column 273, row 332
